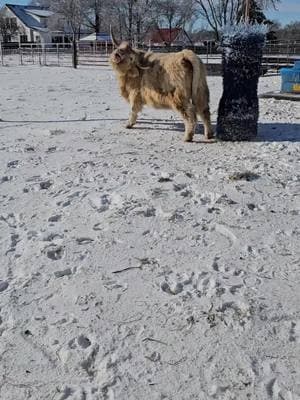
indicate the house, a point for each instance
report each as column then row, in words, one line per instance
column 168, row 37
column 97, row 42
column 35, row 24
column 101, row 37
column 30, row 23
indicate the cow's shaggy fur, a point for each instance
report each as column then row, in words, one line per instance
column 173, row 80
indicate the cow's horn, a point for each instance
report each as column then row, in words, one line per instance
column 141, row 66
column 141, row 62
column 115, row 43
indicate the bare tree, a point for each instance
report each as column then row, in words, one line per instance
column 96, row 13
column 125, row 11
column 219, row 13
column 144, row 18
column 72, row 11
column 290, row 31
column 8, row 28
column 134, row 18
column 174, row 13
column 131, row 18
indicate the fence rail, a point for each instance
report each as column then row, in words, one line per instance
column 55, row 54
column 276, row 53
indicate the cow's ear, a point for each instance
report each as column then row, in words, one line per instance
column 125, row 46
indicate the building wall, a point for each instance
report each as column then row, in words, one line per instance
column 23, row 31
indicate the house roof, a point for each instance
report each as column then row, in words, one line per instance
column 99, row 37
column 40, row 12
column 26, row 14
column 165, row 35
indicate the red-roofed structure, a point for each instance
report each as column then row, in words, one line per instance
column 168, row 37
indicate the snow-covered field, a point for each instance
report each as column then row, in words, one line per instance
column 136, row 266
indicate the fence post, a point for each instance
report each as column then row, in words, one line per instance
column 21, row 54
column 44, row 54
column 1, row 51
column 75, row 52
column 207, row 50
column 288, row 51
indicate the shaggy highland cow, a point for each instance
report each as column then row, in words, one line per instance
column 173, row 81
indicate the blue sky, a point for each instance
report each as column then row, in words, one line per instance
column 13, row 2
column 288, row 10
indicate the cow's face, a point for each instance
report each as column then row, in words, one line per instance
column 123, row 57
column 126, row 59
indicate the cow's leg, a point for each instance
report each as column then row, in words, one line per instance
column 136, row 107
column 189, row 116
column 205, row 116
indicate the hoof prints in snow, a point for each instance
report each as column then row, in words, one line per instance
column 65, row 272
column 55, row 218
column 45, row 185
column 3, row 286
column 133, row 263
column 55, row 252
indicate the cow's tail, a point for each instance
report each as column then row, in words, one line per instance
column 199, row 83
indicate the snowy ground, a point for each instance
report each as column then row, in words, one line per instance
column 136, row 266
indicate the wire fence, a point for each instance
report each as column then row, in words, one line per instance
column 276, row 53
column 59, row 54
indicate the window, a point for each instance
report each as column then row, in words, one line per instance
column 13, row 23
column 57, row 39
column 23, row 39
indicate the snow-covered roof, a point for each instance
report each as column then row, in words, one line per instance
column 99, row 37
column 40, row 13
column 27, row 14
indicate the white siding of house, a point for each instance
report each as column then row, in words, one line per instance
column 23, row 30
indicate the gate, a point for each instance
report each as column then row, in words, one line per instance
column 56, row 54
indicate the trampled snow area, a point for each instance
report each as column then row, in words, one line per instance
column 136, row 266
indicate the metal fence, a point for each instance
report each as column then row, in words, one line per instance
column 58, row 54
column 276, row 53
column 89, row 54
column 283, row 47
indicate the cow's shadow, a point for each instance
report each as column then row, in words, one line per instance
column 267, row 132
column 149, row 124
column 278, row 132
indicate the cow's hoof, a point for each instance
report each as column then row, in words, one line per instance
column 188, row 138
column 209, row 135
column 212, row 140
column 129, row 126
